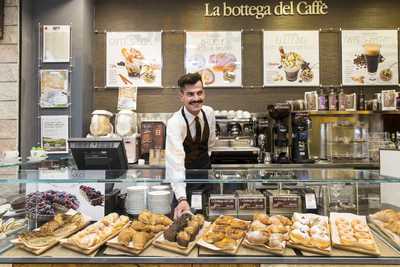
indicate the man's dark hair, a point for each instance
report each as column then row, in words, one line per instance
column 189, row 78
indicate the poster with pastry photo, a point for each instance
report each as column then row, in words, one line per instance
column 291, row 58
column 53, row 88
column 133, row 59
column 369, row 57
column 217, row 56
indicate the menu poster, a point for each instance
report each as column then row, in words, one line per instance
column 127, row 96
column 53, row 88
column 133, row 59
column 54, row 134
column 217, row 56
column 369, row 57
column 56, row 43
column 291, row 58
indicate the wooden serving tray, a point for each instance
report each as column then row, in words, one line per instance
column 335, row 235
column 386, row 232
column 39, row 251
column 310, row 249
column 67, row 244
column 113, row 243
column 263, row 248
column 162, row 243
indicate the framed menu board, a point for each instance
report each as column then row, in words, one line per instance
column 134, row 59
column 217, row 56
column 291, row 58
column 56, row 43
column 369, row 57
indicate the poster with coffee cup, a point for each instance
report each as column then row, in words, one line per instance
column 133, row 59
column 216, row 56
column 369, row 57
column 291, row 58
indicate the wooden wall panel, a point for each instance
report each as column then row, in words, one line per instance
column 151, row 15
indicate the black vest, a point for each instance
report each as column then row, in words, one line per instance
column 196, row 154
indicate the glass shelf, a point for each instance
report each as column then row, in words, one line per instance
column 157, row 175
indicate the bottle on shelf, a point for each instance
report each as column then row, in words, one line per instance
column 323, row 102
column 398, row 101
column 341, row 100
column 333, row 100
column 361, row 101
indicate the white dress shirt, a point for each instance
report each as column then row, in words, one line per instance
column 174, row 151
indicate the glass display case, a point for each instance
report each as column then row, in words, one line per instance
column 53, row 213
column 347, row 141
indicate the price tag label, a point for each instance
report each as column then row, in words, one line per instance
column 196, row 202
column 311, row 202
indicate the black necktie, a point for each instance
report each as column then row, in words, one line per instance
column 198, row 130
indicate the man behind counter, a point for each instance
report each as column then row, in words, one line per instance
column 190, row 134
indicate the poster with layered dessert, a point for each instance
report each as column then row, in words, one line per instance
column 217, row 56
column 291, row 58
column 53, row 88
column 133, row 59
column 48, row 199
column 56, row 43
column 369, row 57
column 54, row 134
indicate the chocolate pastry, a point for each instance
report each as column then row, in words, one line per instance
column 183, row 239
column 171, row 232
column 183, row 220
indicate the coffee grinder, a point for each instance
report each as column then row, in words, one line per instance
column 280, row 132
column 300, row 137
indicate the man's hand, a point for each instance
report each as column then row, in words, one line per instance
column 181, row 208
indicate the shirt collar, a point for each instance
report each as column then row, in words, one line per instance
column 190, row 117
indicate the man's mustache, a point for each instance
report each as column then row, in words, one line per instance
column 196, row 102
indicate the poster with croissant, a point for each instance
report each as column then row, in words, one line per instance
column 53, row 88
column 133, row 59
column 291, row 58
column 369, row 57
column 217, row 56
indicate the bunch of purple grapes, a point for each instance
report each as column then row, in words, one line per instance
column 42, row 203
column 95, row 197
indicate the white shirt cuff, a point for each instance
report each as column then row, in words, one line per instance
column 179, row 189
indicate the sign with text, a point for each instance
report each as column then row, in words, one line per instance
column 369, row 57
column 291, row 58
column 290, row 8
column 217, row 56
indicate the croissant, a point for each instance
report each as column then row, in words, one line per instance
column 393, row 226
column 263, row 218
column 146, row 217
column 140, row 239
column 125, row 236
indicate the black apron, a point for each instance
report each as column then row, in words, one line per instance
column 196, row 157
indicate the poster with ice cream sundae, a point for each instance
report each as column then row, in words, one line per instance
column 217, row 56
column 133, row 59
column 369, row 57
column 291, row 58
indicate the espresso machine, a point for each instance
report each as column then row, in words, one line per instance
column 301, row 124
column 280, row 132
column 235, row 142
